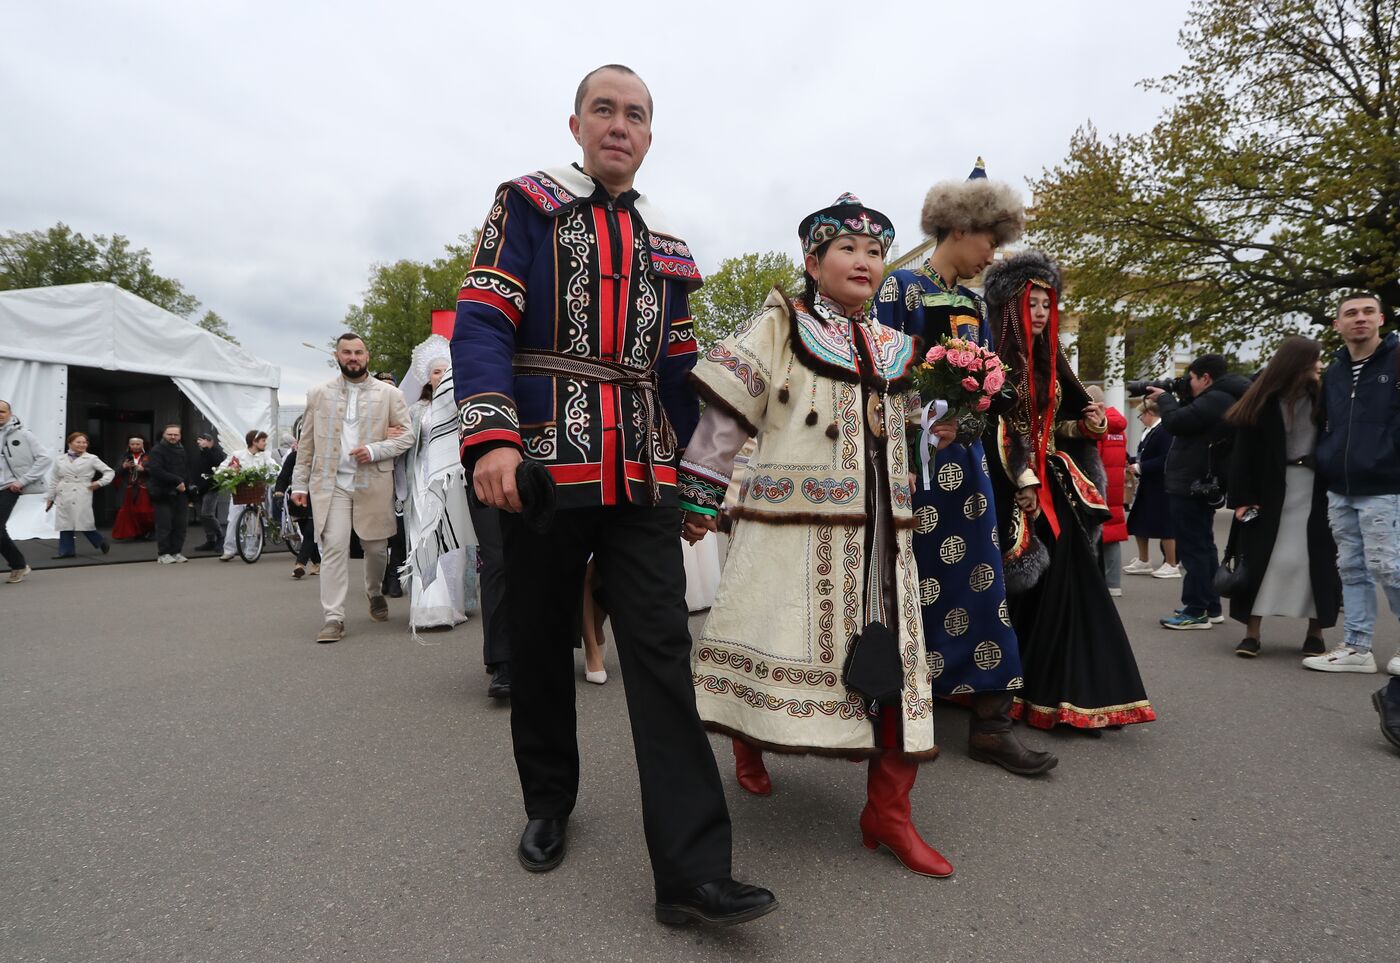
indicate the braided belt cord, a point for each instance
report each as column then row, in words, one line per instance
column 552, row 364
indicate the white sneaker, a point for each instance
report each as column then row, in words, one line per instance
column 166, row 559
column 1216, row 619
column 226, row 557
column 1116, row 593
column 1393, row 666
column 180, row 558
column 1137, row 567
column 1342, row 659
column 1167, row 571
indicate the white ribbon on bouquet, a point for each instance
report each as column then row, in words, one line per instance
column 929, row 415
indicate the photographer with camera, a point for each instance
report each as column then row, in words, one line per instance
column 1194, row 412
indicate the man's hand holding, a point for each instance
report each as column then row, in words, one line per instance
column 300, row 499
column 494, row 478
column 362, row 455
column 697, row 525
column 945, row 432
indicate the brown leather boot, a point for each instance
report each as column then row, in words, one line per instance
column 990, row 739
column 749, row 767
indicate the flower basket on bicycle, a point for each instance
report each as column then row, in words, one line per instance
column 249, row 494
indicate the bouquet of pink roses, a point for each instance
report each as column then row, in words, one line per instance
column 964, row 375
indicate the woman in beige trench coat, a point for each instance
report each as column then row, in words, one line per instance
column 76, row 475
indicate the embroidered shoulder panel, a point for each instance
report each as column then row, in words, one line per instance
column 833, row 352
column 546, row 193
column 671, row 258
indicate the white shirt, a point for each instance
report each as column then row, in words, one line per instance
column 349, row 438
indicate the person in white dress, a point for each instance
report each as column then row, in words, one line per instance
column 431, row 484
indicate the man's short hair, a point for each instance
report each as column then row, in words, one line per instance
column 1214, row 365
column 173, row 424
column 620, row 68
column 206, row 435
column 348, row 336
column 1357, row 296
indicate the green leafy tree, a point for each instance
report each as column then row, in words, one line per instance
column 396, row 313
column 1270, row 186
column 737, row 289
column 59, row 255
column 216, row 325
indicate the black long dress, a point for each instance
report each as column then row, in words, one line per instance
column 1078, row 663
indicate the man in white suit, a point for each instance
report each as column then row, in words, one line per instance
column 352, row 431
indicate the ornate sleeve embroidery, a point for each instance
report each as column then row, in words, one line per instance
column 709, row 461
column 490, row 306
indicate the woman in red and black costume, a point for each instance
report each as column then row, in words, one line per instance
column 1078, row 664
column 136, row 518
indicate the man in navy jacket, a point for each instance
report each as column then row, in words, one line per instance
column 571, row 348
column 1358, row 454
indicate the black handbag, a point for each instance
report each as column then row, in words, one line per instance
column 874, row 668
column 1232, row 577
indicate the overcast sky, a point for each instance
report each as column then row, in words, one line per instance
column 268, row 153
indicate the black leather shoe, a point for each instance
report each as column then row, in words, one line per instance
column 207, row 546
column 720, row 902
column 393, row 588
column 499, row 687
column 542, row 845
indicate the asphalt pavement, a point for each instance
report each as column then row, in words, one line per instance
column 185, row 775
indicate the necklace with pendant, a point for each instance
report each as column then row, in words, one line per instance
column 875, row 402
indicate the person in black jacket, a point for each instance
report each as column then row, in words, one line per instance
column 1280, row 532
column 1199, row 454
column 309, row 554
column 1358, row 455
column 213, row 504
column 171, row 481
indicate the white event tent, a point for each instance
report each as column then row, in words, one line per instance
column 43, row 331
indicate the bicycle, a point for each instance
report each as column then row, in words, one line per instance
column 253, row 529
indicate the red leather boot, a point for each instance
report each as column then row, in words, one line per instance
column 885, row 821
column 748, row 766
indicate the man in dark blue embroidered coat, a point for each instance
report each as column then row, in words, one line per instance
column 572, row 343
column 967, row 627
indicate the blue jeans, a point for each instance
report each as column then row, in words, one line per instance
column 1195, row 549
column 66, row 544
column 1367, row 531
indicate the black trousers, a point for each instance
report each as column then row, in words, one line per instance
column 1195, row 548
column 8, row 548
column 638, row 553
column 172, row 518
column 310, row 551
column 495, row 627
column 398, row 554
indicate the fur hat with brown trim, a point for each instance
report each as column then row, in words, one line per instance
column 976, row 204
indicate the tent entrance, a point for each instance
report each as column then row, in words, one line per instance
column 113, row 406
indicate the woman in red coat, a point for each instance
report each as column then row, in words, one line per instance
column 1113, row 449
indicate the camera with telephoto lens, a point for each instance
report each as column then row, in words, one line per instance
column 1208, row 490
column 1181, row 387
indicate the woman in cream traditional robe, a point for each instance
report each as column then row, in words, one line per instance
column 822, row 543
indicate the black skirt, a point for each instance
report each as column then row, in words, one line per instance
column 1078, row 663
